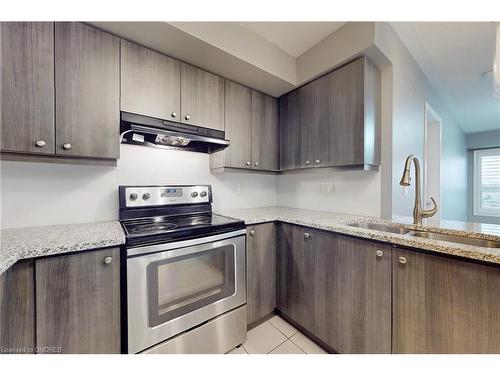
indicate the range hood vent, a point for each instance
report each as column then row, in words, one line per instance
column 153, row 132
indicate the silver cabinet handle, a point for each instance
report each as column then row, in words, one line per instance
column 256, row 163
column 247, row 163
column 317, row 162
column 307, row 235
column 308, row 162
column 108, row 260
column 402, row 260
column 173, row 114
column 187, row 117
column 252, row 233
column 40, row 143
column 67, row 146
column 379, row 253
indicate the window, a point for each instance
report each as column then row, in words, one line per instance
column 487, row 182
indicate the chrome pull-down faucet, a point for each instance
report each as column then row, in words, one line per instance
column 418, row 212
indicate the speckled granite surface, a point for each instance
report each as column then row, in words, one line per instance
column 23, row 243
column 339, row 223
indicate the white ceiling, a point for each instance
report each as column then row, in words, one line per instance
column 453, row 56
column 294, row 38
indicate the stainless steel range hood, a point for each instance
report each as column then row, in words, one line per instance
column 154, row 132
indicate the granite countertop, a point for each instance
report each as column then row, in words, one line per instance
column 339, row 223
column 32, row 242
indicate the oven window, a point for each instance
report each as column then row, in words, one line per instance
column 183, row 284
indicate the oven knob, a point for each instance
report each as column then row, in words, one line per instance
column 133, row 196
column 203, row 194
column 146, row 196
column 194, row 194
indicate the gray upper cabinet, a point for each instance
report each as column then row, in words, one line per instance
column 202, row 98
column 251, row 125
column 87, row 80
column 78, row 302
column 333, row 121
column 27, row 87
column 264, row 132
column 238, row 125
column 150, row 82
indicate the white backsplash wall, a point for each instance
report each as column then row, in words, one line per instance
column 354, row 192
column 34, row 194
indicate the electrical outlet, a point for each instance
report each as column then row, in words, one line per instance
column 237, row 187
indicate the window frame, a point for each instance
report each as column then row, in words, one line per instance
column 478, row 211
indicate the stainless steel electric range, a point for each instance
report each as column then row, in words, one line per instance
column 185, row 267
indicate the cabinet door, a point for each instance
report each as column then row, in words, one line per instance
column 295, row 274
column 308, row 97
column 264, row 132
column 17, row 309
column 78, row 302
column 444, row 305
column 353, row 294
column 290, row 132
column 202, row 98
column 346, row 109
column 261, row 271
column 87, row 69
column 150, row 82
column 27, row 87
column 238, row 125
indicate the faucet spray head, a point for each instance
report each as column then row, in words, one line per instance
column 406, row 179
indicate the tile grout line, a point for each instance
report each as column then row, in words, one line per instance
column 283, row 333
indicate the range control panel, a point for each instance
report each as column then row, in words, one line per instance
column 144, row 196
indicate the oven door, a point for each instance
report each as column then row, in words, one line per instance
column 176, row 286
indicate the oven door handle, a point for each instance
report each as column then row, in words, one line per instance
column 180, row 248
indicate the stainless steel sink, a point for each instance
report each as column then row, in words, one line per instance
column 380, row 227
column 456, row 239
column 429, row 235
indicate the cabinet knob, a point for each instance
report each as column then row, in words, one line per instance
column 308, row 162
column 67, row 146
column 307, row 235
column 256, row 163
column 173, row 114
column 379, row 253
column 252, row 233
column 108, row 260
column 402, row 260
column 187, row 117
column 40, row 143
column 317, row 162
column 247, row 163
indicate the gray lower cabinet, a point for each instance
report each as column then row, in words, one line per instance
column 87, row 82
column 295, row 278
column 352, row 294
column 27, row 87
column 150, row 82
column 261, row 271
column 17, row 309
column 202, row 98
column 336, row 287
column 333, row 121
column 78, row 302
column 444, row 305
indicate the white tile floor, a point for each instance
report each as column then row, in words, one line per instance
column 276, row 336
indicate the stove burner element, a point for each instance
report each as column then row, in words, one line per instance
column 153, row 228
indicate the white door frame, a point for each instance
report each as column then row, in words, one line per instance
column 433, row 134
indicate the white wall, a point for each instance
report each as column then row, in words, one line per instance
column 354, row 192
column 35, row 194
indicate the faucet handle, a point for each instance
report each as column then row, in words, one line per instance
column 432, row 211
